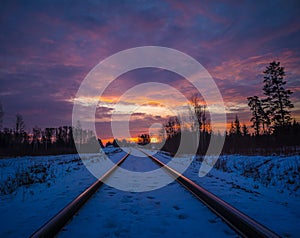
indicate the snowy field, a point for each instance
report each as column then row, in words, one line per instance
column 33, row 189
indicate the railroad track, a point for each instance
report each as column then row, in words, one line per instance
column 56, row 223
column 238, row 221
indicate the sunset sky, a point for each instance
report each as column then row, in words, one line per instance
column 48, row 47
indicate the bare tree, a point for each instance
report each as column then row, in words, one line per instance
column 144, row 139
column 201, row 119
column 78, row 134
column 48, row 133
column 1, row 115
column 172, row 127
column 20, row 124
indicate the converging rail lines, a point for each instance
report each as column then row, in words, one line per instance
column 238, row 221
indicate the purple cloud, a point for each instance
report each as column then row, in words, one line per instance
column 48, row 47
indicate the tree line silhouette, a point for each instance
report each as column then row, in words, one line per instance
column 274, row 132
column 47, row 141
column 272, row 129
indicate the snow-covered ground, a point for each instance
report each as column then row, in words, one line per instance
column 33, row 189
column 259, row 186
column 167, row 212
column 23, row 208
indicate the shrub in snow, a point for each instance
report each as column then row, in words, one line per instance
column 282, row 172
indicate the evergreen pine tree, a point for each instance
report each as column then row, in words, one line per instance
column 277, row 100
column 245, row 130
column 255, row 105
column 237, row 126
column 231, row 129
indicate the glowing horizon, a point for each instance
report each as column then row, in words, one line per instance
column 43, row 66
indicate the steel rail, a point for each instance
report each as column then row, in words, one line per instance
column 57, row 222
column 237, row 220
